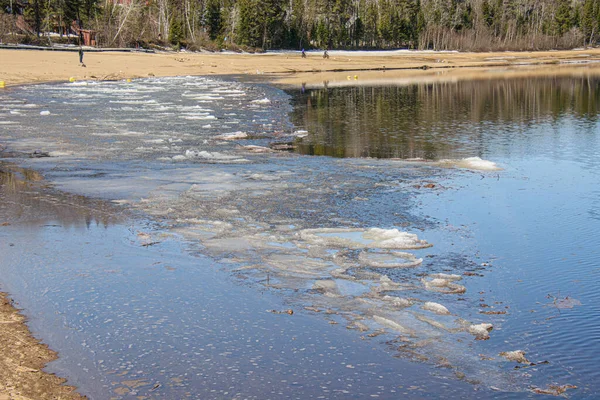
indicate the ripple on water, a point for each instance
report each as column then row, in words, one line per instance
column 334, row 237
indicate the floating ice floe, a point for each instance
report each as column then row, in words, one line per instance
column 474, row 163
column 45, row 112
column 390, row 259
column 263, row 177
column 299, row 266
column 386, row 285
column 516, row 355
column 328, row 287
column 232, row 136
column 443, row 283
column 60, row 153
column 301, row 133
column 393, row 325
column 480, row 331
column 197, row 117
column 261, row 101
column 359, row 326
column 397, row 302
column 436, row 308
column 257, row 149
column 208, row 156
column 356, row 238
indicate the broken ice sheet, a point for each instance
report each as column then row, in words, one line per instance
column 356, row 238
column 564, row 303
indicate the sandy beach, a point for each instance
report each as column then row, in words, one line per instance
column 21, row 356
column 20, row 67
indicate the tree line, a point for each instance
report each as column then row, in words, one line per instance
column 476, row 25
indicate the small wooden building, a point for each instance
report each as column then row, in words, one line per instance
column 89, row 37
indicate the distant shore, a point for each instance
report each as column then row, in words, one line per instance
column 21, row 67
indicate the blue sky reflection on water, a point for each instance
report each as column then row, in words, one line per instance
column 521, row 240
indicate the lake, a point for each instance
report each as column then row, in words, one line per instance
column 162, row 229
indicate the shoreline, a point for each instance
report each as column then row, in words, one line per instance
column 22, row 67
column 22, row 359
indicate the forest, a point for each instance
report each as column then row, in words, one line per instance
column 258, row 25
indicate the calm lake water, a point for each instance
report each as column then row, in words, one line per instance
column 166, row 225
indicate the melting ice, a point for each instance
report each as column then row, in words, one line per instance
column 313, row 229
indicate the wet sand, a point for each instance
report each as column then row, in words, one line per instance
column 21, row 359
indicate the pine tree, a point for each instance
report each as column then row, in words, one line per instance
column 563, row 19
column 213, row 18
column 589, row 20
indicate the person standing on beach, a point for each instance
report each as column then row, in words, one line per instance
column 81, row 56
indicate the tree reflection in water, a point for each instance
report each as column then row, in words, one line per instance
column 435, row 120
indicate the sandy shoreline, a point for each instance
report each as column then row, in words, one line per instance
column 21, row 355
column 21, row 359
column 20, row 67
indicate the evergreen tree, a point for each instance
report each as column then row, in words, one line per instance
column 213, row 18
column 589, row 20
column 563, row 19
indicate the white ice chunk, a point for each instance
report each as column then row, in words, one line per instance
column 474, row 163
column 436, row 308
column 516, row 355
column 481, row 331
column 198, row 117
column 355, row 238
column 447, row 277
column 394, row 239
column 398, row 302
column 257, row 149
column 261, row 101
column 60, row 153
column 386, row 285
column 232, row 136
column 211, row 156
column 301, row 133
column 392, row 259
column 45, row 112
column 443, row 283
column 388, row 323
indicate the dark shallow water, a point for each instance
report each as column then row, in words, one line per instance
column 182, row 301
